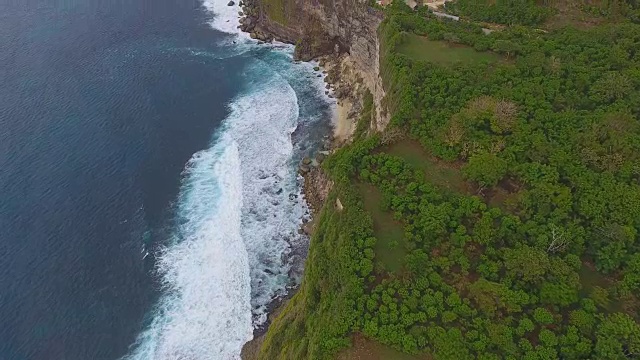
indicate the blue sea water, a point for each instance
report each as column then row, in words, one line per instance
column 149, row 202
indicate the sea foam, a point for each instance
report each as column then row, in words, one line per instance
column 205, row 273
column 224, row 17
column 239, row 209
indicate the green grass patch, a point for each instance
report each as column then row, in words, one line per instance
column 595, row 285
column 277, row 10
column 448, row 176
column 366, row 349
column 421, row 48
column 444, row 175
column 390, row 249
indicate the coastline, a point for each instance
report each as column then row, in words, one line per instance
column 344, row 83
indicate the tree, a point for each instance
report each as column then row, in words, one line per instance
column 558, row 240
column 560, row 294
column 583, row 321
column 548, row 338
column 573, row 345
column 631, row 280
column 611, row 86
column 524, row 326
column 485, row 168
column 617, row 337
column 506, row 47
column 504, row 117
column 543, row 316
column 527, row 263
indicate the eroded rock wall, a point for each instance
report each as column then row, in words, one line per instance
column 321, row 27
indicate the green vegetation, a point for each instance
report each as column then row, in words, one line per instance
column 510, row 12
column 391, row 245
column 444, row 175
column 366, row 349
column 548, row 14
column 367, row 116
column 420, row 48
column 518, row 193
column 537, row 13
column 277, row 10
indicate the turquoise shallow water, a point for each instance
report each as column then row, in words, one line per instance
column 148, row 175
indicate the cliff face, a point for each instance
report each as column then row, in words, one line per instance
column 321, row 27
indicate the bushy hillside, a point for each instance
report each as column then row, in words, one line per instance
column 504, row 225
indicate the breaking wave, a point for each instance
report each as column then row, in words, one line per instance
column 238, row 212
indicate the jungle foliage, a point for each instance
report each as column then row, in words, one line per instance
column 509, row 12
column 537, row 12
column 550, row 269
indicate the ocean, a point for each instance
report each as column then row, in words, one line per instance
column 150, row 202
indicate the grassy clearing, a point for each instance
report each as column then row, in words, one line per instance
column 422, row 49
column 390, row 247
column 594, row 283
column 444, row 175
column 448, row 176
column 365, row 349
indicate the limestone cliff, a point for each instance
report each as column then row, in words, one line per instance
column 321, row 27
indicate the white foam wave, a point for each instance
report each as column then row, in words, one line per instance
column 225, row 18
column 205, row 311
column 239, row 209
column 261, row 123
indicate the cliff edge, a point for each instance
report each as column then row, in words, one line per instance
column 324, row 27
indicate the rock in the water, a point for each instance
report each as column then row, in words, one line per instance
column 316, row 68
column 231, row 3
column 306, row 161
column 328, row 86
column 319, row 75
column 240, row 13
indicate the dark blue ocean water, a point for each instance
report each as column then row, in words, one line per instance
column 101, row 105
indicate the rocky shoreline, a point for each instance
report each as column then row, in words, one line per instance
column 249, row 20
column 309, row 47
column 344, row 84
